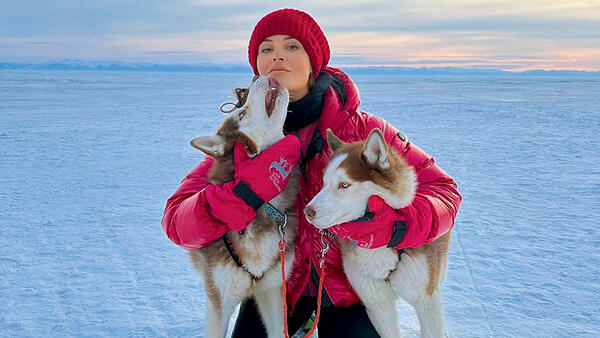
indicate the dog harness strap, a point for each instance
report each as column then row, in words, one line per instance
column 398, row 234
column 274, row 213
column 367, row 217
column 236, row 258
column 243, row 191
column 229, row 247
column 387, row 278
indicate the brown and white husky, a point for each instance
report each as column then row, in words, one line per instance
column 380, row 276
column 257, row 124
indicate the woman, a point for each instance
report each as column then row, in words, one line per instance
column 289, row 46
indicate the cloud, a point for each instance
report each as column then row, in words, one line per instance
column 516, row 33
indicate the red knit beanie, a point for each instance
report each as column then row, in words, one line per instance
column 296, row 24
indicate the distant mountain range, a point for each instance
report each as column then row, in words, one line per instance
column 126, row 66
column 218, row 68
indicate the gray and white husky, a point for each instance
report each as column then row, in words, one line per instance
column 257, row 124
column 380, row 276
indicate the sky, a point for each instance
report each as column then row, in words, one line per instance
column 510, row 35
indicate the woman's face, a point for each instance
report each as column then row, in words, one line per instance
column 282, row 57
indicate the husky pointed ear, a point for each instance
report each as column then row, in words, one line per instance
column 210, row 145
column 334, row 142
column 375, row 151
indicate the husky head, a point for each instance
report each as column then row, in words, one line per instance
column 257, row 124
column 354, row 173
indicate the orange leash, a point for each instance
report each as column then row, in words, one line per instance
column 272, row 211
column 283, row 288
column 321, row 277
column 282, row 244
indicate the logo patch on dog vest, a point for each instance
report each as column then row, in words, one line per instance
column 278, row 171
column 366, row 243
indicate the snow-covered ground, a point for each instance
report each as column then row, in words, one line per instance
column 88, row 160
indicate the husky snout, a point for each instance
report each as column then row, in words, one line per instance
column 310, row 212
column 258, row 123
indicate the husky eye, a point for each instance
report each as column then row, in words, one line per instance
column 343, row 185
column 241, row 116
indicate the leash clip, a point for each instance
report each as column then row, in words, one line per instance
column 281, row 219
column 325, row 245
column 281, row 226
column 282, row 233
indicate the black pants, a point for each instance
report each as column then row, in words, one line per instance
column 334, row 322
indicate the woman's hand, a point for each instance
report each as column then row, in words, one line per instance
column 263, row 177
column 256, row 180
column 381, row 225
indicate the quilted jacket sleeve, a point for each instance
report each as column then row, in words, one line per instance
column 187, row 220
column 434, row 208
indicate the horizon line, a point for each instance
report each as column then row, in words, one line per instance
column 116, row 65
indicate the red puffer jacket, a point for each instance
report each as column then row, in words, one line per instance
column 188, row 222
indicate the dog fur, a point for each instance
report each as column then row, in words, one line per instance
column 355, row 172
column 225, row 283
